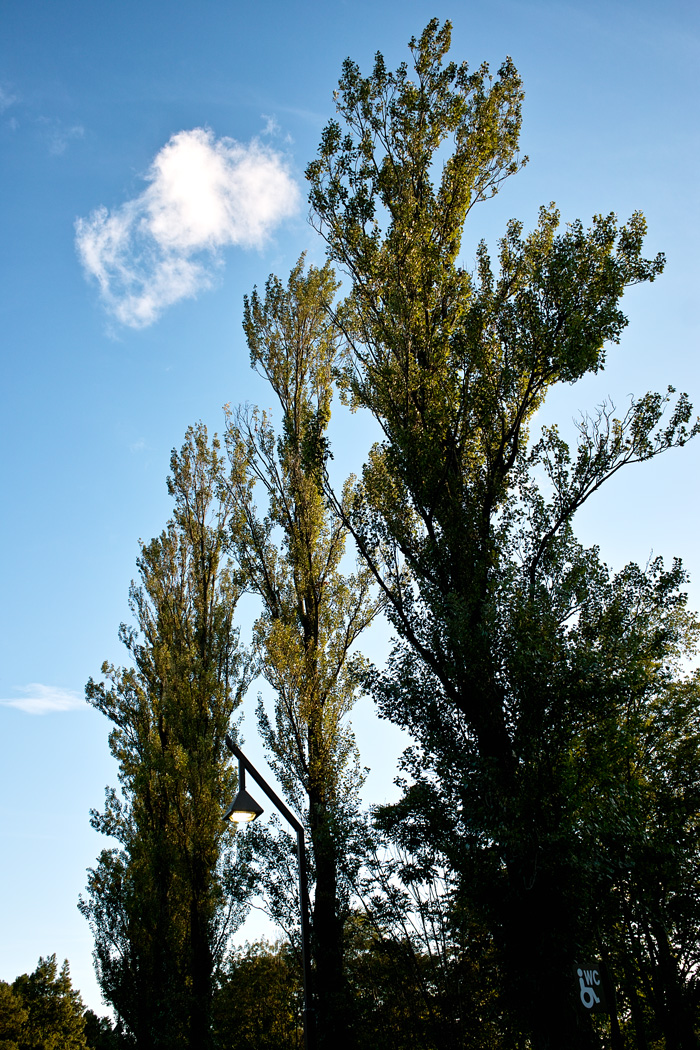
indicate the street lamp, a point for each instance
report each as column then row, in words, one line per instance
column 244, row 809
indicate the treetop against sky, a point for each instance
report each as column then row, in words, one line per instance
column 152, row 174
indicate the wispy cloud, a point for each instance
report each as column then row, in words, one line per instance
column 7, row 99
column 60, row 136
column 45, row 699
column 204, row 194
column 271, row 125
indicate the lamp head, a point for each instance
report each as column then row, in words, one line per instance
column 243, row 809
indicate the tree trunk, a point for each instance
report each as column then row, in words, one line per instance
column 332, row 1017
column 201, row 969
column 676, row 1019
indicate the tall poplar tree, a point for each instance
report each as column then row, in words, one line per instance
column 161, row 903
column 464, row 523
column 290, row 554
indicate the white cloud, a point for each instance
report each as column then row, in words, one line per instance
column 45, row 699
column 204, row 194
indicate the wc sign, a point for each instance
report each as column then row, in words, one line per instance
column 590, row 989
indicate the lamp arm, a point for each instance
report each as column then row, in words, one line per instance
column 245, row 763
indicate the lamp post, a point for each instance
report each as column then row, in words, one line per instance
column 244, row 809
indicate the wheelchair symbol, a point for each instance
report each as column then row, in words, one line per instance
column 588, row 980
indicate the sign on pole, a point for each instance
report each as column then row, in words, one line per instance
column 591, row 995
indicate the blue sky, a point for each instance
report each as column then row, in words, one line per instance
column 152, row 173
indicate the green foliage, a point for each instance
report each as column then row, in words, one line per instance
column 163, row 901
column 42, row 1010
column 518, row 662
column 100, row 1034
column 13, row 1017
column 258, row 1004
column 644, row 823
column 400, row 1000
column 418, row 957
